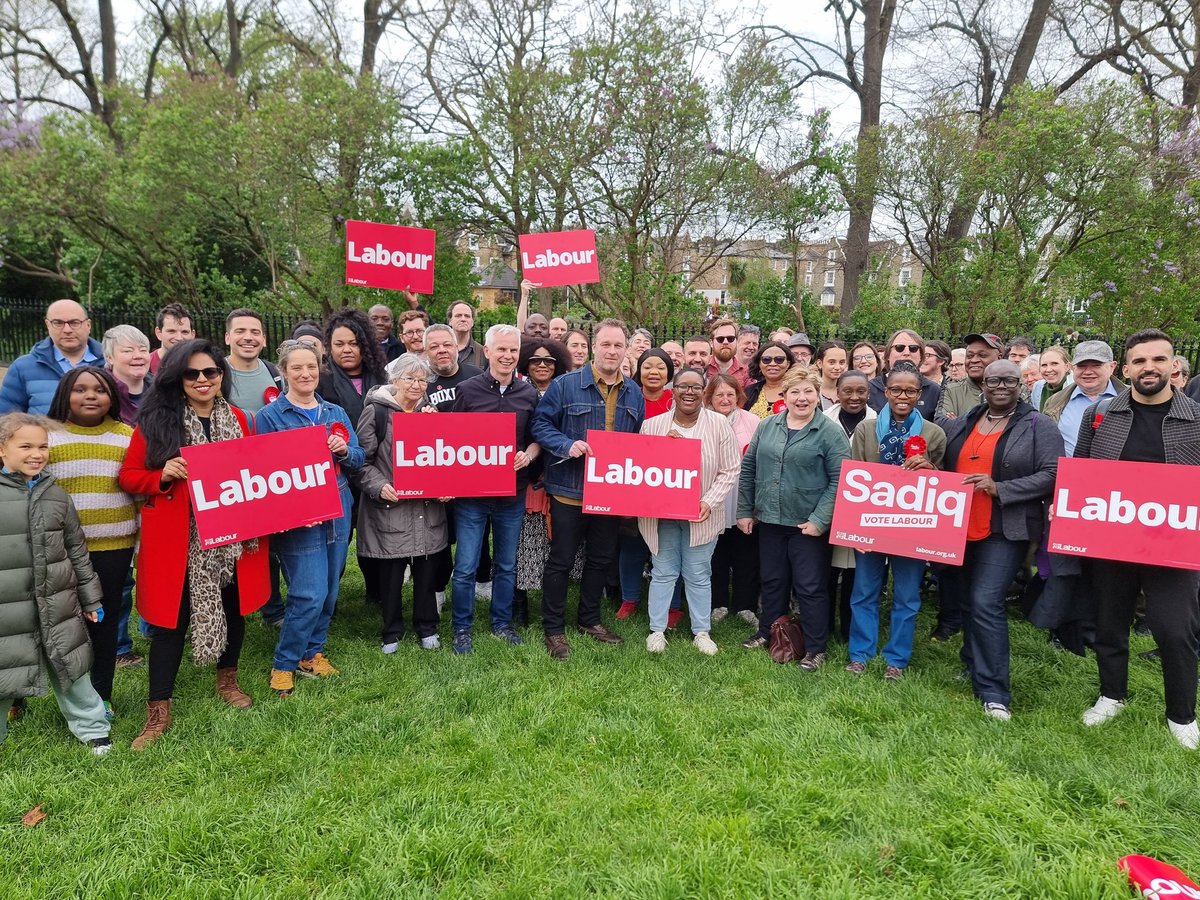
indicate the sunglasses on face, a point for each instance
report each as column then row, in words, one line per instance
column 726, row 339
column 911, row 348
column 994, row 381
column 212, row 373
column 773, row 360
column 541, row 360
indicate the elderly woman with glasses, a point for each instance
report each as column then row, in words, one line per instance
column 178, row 583
column 402, row 534
column 890, row 439
column 312, row 557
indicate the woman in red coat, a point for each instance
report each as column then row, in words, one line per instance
column 178, row 584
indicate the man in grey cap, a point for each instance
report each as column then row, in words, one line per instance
column 960, row 397
column 1092, row 368
column 801, row 348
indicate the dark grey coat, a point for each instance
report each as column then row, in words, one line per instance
column 1024, row 468
column 45, row 578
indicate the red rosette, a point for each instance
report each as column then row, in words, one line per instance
column 915, row 446
column 1096, row 421
column 271, row 394
column 337, row 429
column 779, row 406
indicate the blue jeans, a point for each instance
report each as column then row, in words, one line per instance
column 471, row 517
column 869, row 575
column 312, row 560
column 124, row 641
column 272, row 610
column 979, row 588
column 673, row 560
column 631, row 559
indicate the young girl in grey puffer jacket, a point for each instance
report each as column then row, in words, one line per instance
column 47, row 586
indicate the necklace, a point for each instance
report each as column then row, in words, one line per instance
column 992, row 418
column 979, row 434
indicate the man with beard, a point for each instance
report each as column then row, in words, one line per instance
column 441, row 350
column 413, row 323
column 696, row 352
column 960, row 397
column 724, row 334
column 1092, row 368
column 1149, row 422
column 536, row 326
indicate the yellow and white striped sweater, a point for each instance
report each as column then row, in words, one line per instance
column 85, row 461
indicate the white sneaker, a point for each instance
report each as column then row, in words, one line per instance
column 389, row 649
column 1187, row 735
column 1105, row 709
column 656, row 642
column 430, row 643
column 705, row 644
column 439, row 597
column 749, row 618
column 997, row 711
column 719, row 612
column 483, row 589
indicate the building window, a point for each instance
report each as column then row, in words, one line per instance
column 832, row 255
column 473, row 242
column 827, row 297
column 808, row 279
column 475, row 261
column 811, row 265
column 723, row 278
column 830, row 277
column 905, row 276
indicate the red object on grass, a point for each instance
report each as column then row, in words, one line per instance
column 915, row 446
column 1153, row 878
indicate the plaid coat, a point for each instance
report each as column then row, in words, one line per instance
column 1106, row 439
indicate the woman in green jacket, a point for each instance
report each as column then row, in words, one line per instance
column 788, row 482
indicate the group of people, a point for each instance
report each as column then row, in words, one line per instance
column 91, row 437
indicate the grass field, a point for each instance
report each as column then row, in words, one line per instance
column 614, row 774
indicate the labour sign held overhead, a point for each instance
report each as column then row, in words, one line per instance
column 560, row 257
column 642, row 475
column 262, row 484
column 887, row 509
column 1136, row 512
column 454, row 454
column 394, row 257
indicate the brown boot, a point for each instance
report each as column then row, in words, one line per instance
column 158, row 720
column 228, row 690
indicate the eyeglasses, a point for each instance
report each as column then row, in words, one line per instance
column 689, row 388
column 64, row 323
column 863, row 357
column 994, row 381
column 911, row 348
column 301, row 342
column 542, row 361
column 413, row 379
column 904, row 392
column 412, row 334
column 726, row 339
column 212, row 373
column 772, row 360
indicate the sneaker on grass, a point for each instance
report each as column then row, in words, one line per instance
column 856, row 668
column 1104, row 709
column 812, row 662
column 508, row 633
column 317, row 667
column 718, row 613
column 282, row 682
column 997, row 711
column 1187, row 735
column 705, row 644
column 656, row 642
column 464, row 643
column 390, row 647
column 626, row 609
column 100, row 746
column 429, row 643
column 749, row 618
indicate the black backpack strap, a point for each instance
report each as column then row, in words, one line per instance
column 381, row 417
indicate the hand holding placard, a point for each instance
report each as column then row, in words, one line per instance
column 559, row 258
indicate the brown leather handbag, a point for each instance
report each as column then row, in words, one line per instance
column 786, row 643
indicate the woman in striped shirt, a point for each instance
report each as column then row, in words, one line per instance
column 85, row 457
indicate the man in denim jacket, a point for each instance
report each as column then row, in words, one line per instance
column 595, row 397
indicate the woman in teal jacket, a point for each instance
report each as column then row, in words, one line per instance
column 789, row 479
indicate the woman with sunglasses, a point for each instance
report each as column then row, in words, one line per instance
column 764, row 396
column 312, row 557
column 891, row 439
column 541, row 361
column 178, row 583
column 907, row 346
column 1009, row 452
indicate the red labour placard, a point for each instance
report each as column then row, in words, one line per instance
column 1136, row 512
column 393, row 257
column 560, row 257
column 262, row 484
column 887, row 509
column 642, row 475
column 454, row 454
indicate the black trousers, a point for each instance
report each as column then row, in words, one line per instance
column 795, row 565
column 391, row 595
column 1173, row 614
column 735, row 559
column 570, row 527
column 166, row 644
column 841, row 586
column 111, row 567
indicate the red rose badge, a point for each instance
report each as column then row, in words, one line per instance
column 270, row 394
column 779, row 406
column 1096, row 421
column 915, row 446
column 337, row 429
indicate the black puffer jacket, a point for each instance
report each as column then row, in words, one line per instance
column 46, row 582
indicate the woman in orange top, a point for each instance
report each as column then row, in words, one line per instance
column 1010, row 452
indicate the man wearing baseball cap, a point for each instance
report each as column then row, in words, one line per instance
column 960, row 397
column 1092, row 368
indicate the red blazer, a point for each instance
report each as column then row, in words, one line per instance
column 162, row 559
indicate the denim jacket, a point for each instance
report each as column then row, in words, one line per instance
column 571, row 407
column 282, row 415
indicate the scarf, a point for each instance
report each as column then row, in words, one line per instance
column 210, row 570
column 892, row 435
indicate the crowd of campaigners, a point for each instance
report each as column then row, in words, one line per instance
column 91, row 436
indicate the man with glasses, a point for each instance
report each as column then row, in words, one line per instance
column 747, row 344
column 413, row 323
column 32, row 379
column 960, row 397
column 908, row 345
column 724, row 334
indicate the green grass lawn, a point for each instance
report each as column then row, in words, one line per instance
column 615, row 774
